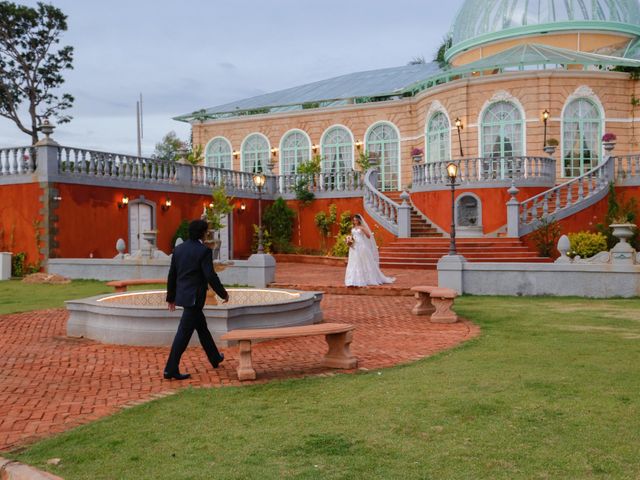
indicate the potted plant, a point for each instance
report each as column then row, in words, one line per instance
column 622, row 228
column 609, row 141
column 550, row 147
column 416, row 154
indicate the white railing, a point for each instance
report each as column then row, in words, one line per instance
column 490, row 170
column 566, row 199
column 379, row 206
column 229, row 179
column 338, row 182
column 82, row 162
column 17, row 160
column 627, row 169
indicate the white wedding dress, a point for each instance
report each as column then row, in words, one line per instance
column 362, row 268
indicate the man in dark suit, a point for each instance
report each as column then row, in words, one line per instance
column 190, row 274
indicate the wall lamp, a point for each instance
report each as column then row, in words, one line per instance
column 315, row 148
column 243, row 207
column 236, row 154
column 545, row 118
column 359, row 144
column 124, row 202
column 459, row 127
column 167, row 204
column 274, row 151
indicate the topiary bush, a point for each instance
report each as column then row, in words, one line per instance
column 278, row 220
column 587, row 244
column 546, row 236
column 18, row 264
column 266, row 240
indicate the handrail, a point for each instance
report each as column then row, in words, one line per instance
column 83, row 162
column 490, row 170
column 380, row 207
column 559, row 202
column 17, row 160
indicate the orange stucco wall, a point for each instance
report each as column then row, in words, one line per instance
column 19, row 209
column 437, row 205
column 305, row 232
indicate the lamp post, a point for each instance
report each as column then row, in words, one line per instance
column 459, row 127
column 258, row 180
column 545, row 117
column 452, row 172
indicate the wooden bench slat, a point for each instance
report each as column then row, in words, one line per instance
column 136, row 281
column 286, row 332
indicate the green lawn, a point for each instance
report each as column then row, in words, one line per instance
column 549, row 390
column 16, row 296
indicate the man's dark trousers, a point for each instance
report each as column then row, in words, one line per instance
column 192, row 319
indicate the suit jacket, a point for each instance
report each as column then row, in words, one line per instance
column 190, row 274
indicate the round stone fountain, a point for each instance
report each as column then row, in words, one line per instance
column 142, row 318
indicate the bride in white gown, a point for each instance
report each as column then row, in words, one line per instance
column 363, row 266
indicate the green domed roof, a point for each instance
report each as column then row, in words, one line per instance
column 480, row 21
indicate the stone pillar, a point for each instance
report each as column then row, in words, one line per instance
column 404, row 217
column 5, row 265
column 513, row 213
column 451, row 272
column 261, row 270
column 184, row 173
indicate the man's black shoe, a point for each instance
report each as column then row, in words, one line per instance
column 176, row 376
column 216, row 364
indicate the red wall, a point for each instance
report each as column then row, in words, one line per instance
column 19, row 209
column 437, row 205
column 305, row 232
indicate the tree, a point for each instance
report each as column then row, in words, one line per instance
column 419, row 60
column 169, row 147
column 31, row 65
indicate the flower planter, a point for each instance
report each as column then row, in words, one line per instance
column 417, row 158
column 609, row 146
column 550, row 149
column 623, row 231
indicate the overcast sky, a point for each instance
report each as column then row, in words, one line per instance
column 192, row 54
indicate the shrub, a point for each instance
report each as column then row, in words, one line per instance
column 278, row 219
column 415, row 151
column 345, row 225
column 546, row 237
column 553, row 142
column 302, row 191
column 340, row 248
column 266, row 240
column 182, row 232
column 587, row 244
column 324, row 222
column 609, row 137
column 18, row 264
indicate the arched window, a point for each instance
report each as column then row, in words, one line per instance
column 438, row 138
column 218, row 154
column 337, row 155
column 502, row 131
column 382, row 141
column 294, row 149
column 581, row 133
column 255, row 153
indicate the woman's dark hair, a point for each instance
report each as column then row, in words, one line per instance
column 197, row 229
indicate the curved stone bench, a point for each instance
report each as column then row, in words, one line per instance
column 435, row 301
column 337, row 335
column 121, row 285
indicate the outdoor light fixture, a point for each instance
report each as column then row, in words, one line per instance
column 459, row 127
column 243, row 207
column 358, row 145
column 124, row 202
column 259, row 180
column 167, row 204
column 545, row 117
column 274, row 151
column 236, row 154
column 452, row 173
column 315, row 148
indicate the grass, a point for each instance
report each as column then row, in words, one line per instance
column 549, row 390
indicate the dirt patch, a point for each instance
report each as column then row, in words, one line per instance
column 51, row 278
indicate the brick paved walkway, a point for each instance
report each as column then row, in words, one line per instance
column 50, row 383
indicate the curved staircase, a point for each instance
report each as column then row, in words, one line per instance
column 420, row 226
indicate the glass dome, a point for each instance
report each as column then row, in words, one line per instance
column 479, row 21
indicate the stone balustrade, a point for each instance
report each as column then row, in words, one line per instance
column 17, row 160
column 627, row 170
column 488, row 171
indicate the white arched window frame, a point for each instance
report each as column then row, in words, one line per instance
column 295, row 148
column 502, row 134
column 582, row 125
column 438, row 137
column 337, row 155
column 255, row 153
column 218, row 153
column 383, row 140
